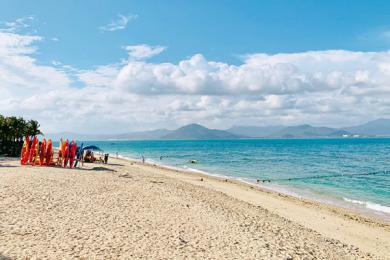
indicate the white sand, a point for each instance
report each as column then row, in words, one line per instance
column 142, row 211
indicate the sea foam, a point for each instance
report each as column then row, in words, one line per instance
column 370, row 205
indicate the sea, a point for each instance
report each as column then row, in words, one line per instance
column 347, row 172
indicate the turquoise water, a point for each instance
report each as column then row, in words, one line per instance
column 282, row 159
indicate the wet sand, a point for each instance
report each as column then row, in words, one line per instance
column 129, row 210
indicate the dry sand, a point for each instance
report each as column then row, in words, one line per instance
column 128, row 210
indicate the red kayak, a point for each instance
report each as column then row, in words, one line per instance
column 49, row 153
column 42, row 152
column 72, row 156
column 60, row 153
column 33, row 150
column 25, row 151
column 66, row 153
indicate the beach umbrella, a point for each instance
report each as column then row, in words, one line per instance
column 92, row 147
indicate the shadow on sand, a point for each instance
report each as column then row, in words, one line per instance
column 3, row 257
column 7, row 166
column 116, row 164
column 3, row 158
column 98, row 168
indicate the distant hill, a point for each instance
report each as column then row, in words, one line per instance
column 190, row 132
column 195, row 131
column 376, row 127
column 255, row 131
column 302, row 131
column 145, row 135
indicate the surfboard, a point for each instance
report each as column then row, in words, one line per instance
column 79, row 154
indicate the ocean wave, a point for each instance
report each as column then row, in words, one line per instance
column 354, row 201
column 370, row 205
column 185, row 167
column 127, row 158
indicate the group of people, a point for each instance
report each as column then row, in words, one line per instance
column 90, row 157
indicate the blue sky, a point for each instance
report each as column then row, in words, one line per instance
column 221, row 30
column 119, row 66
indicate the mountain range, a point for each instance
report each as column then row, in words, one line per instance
column 195, row 131
column 379, row 127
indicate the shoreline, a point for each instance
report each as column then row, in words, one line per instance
column 43, row 200
column 346, row 225
column 264, row 189
column 352, row 205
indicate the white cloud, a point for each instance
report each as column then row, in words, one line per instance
column 20, row 75
column 100, row 77
column 16, row 44
column 18, row 24
column 260, row 74
column 119, row 24
column 318, row 87
column 143, row 51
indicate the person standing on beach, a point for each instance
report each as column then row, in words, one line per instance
column 143, row 159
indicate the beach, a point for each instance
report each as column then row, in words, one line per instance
column 130, row 210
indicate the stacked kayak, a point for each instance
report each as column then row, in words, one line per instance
column 35, row 152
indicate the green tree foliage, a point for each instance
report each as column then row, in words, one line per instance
column 12, row 131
